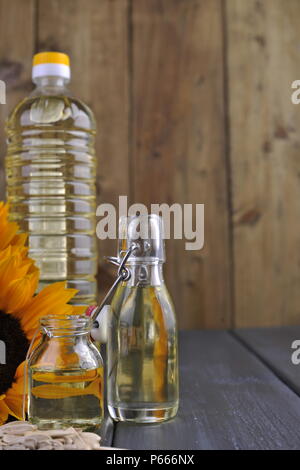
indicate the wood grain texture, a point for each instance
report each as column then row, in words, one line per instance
column 229, row 400
column 94, row 34
column 263, row 61
column 17, row 33
column 273, row 346
column 178, row 143
column 172, row 83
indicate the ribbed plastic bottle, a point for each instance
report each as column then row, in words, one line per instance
column 51, row 172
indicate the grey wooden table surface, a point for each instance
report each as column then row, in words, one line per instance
column 238, row 390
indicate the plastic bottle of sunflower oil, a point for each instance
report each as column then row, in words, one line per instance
column 51, row 170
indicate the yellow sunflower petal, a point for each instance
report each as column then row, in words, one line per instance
column 10, row 270
column 3, row 208
column 19, row 239
column 14, row 401
column 52, row 391
column 78, row 309
column 4, row 411
column 18, row 283
column 14, row 395
column 20, row 293
column 7, row 234
column 22, row 251
column 51, row 300
column 13, row 268
column 53, row 288
column 31, row 325
column 13, row 406
column 4, row 254
column 20, row 372
column 33, row 269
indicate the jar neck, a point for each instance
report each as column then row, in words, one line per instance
column 145, row 274
column 71, row 337
column 50, row 85
column 66, row 327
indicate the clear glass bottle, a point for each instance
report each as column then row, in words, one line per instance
column 142, row 363
column 51, row 172
column 65, row 375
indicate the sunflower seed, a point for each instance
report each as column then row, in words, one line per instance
column 60, row 432
column 91, row 437
column 80, row 442
column 15, row 447
column 57, row 445
column 9, row 438
column 13, row 424
column 30, row 443
column 92, row 440
column 71, row 447
column 25, row 436
column 17, row 429
column 39, row 436
column 67, row 440
column 45, row 447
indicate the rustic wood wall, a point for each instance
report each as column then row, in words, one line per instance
column 192, row 100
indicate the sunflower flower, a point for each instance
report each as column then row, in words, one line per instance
column 20, row 311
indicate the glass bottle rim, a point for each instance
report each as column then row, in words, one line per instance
column 65, row 325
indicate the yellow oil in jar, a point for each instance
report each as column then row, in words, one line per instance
column 63, row 398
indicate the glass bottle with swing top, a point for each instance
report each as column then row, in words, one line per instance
column 142, row 362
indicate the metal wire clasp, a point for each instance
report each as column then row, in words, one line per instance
column 123, row 275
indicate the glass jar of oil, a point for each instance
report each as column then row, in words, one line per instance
column 142, row 353
column 65, row 375
column 51, row 178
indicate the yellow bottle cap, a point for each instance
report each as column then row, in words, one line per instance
column 51, row 58
column 51, row 64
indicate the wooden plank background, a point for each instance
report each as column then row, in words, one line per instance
column 192, row 101
column 263, row 61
